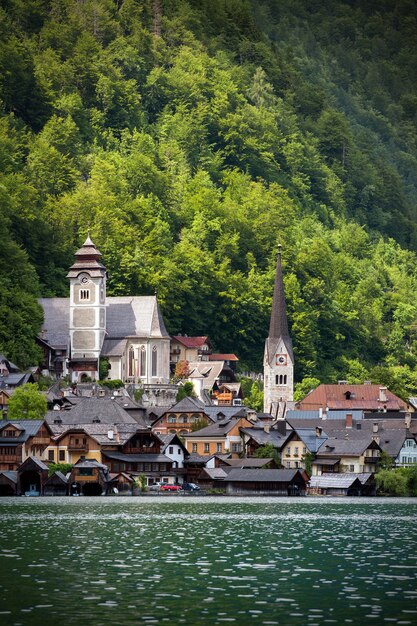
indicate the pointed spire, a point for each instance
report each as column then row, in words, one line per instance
column 278, row 327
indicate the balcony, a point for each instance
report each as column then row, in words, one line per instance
column 142, row 450
column 41, row 441
column 78, row 447
column 175, row 351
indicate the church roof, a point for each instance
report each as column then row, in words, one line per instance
column 127, row 316
column 87, row 258
column 278, row 327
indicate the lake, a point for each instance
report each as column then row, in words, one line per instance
column 208, row 560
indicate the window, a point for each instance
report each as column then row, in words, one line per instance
column 172, row 419
column 51, row 455
column 10, row 433
column 162, row 467
column 288, row 464
column 206, row 447
column 85, row 471
column 62, row 455
column 147, row 467
column 235, row 447
column 84, row 294
column 304, row 450
column 219, row 447
column 183, row 418
column 171, row 449
column 296, row 451
column 142, row 371
column 131, row 363
column 351, row 468
column 154, row 361
column 194, row 447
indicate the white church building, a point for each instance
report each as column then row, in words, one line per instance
column 127, row 331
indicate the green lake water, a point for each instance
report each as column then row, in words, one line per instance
column 199, row 560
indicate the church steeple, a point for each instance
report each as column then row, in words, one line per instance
column 279, row 358
column 87, row 325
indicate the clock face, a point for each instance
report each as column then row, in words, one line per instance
column 281, row 359
column 84, row 279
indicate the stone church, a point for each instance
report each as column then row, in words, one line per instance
column 80, row 330
column 278, row 354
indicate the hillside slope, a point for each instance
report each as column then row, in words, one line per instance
column 191, row 136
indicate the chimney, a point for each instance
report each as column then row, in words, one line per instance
column 382, row 397
column 281, row 426
column 349, row 420
column 321, row 413
column 319, row 430
column 407, row 420
column 375, row 427
column 267, row 428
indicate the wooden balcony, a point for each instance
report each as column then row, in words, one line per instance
column 78, row 447
column 11, row 458
column 41, row 441
column 142, row 450
column 225, row 399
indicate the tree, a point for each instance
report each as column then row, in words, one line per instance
column 186, row 391
column 182, row 370
column 304, row 387
column 27, row 403
column 268, row 451
column 392, row 482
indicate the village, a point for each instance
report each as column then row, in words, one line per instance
column 132, row 434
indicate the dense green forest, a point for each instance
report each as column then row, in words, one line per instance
column 191, row 136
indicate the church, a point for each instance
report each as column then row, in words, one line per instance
column 278, row 354
column 127, row 331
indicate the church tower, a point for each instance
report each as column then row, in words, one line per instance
column 278, row 356
column 87, row 323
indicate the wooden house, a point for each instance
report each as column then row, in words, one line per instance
column 89, row 477
column 279, row 482
column 218, row 438
column 32, row 475
column 179, row 419
column 20, row 439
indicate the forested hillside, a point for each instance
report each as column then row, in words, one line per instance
column 192, row 136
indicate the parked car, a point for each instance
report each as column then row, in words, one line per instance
column 190, row 487
column 170, row 487
column 155, row 487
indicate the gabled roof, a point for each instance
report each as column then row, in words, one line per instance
column 262, row 475
column 336, row 481
column 28, row 428
column 217, row 413
column 208, row 371
column 223, row 357
column 137, row 458
column 31, row 460
column 10, row 475
column 88, row 409
column 187, row 405
column 262, row 437
column 16, row 379
column 344, row 447
column 250, row 462
column 351, row 397
column 191, row 342
column 218, row 429
column 312, row 441
column 127, row 316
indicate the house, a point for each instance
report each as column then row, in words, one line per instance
column 227, row 394
column 207, row 377
column 279, row 482
column 127, row 331
column 20, row 439
column 56, row 485
column 180, row 418
column 300, row 442
column 257, row 436
column 407, row 455
column 32, row 475
column 184, row 348
column 354, row 454
column 89, row 478
column 230, row 360
column 345, row 484
column 174, row 449
column 217, row 438
column 8, row 483
column 346, row 397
